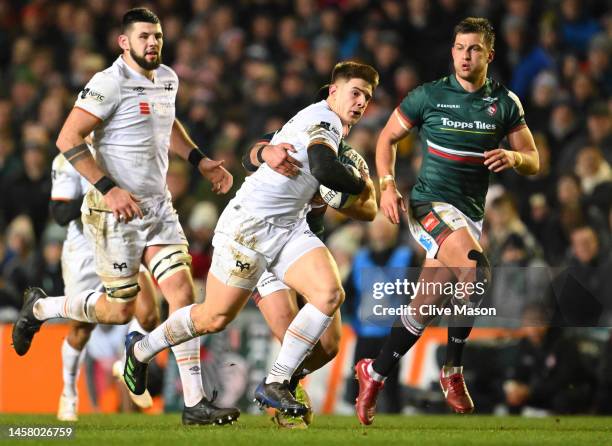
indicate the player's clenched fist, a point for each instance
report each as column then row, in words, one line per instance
column 123, row 204
column 214, row 172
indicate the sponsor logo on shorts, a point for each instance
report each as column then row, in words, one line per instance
column 120, row 266
column 243, row 266
column 195, row 369
column 425, row 242
column 430, row 222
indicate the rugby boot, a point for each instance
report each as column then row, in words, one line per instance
column 134, row 372
column 27, row 325
column 205, row 412
column 365, row 404
column 278, row 396
column 143, row 401
column 455, row 391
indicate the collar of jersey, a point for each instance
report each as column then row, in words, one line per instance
column 455, row 83
column 134, row 73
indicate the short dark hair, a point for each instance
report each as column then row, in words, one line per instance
column 478, row 25
column 137, row 15
column 351, row 70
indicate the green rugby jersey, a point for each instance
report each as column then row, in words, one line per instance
column 456, row 128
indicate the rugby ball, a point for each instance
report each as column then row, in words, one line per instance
column 339, row 200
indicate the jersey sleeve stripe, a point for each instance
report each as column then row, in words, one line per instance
column 403, row 119
column 322, row 142
column 517, row 128
column 88, row 112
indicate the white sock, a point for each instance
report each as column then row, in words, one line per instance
column 187, row 357
column 71, row 363
column 303, row 333
column 375, row 375
column 134, row 325
column 79, row 308
column 177, row 329
column 448, row 371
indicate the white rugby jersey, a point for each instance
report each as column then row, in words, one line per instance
column 68, row 184
column 277, row 198
column 132, row 142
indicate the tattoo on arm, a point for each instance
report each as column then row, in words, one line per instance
column 76, row 153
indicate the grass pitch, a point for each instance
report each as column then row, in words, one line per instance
column 253, row 430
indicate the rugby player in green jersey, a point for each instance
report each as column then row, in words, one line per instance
column 462, row 119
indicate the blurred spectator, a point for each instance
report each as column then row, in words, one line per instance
column 503, row 221
column 382, row 260
column 520, row 280
column 200, row 229
column 549, row 373
column 50, row 270
column 178, row 179
column 577, row 26
column 30, row 188
column 571, row 212
column 595, row 178
column 599, row 63
column 20, row 269
column 582, row 290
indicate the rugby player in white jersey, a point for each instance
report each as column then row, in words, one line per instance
column 279, row 304
column 264, row 227
column 128, row 215
column 79, row 274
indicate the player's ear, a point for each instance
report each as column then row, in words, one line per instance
column 332, row 89
column 123, row 42
column 491, row 55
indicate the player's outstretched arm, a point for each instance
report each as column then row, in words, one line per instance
column 365, row 207
column 71, row 142
column 391, row 201
column 213, row 171
column 523, row 158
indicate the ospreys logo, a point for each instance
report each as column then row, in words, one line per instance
column 243, row 266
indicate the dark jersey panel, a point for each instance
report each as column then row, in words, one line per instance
column 456, row 128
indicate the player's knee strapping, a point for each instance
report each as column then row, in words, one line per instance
column 169, row 260
column 123, row 289
column 483, row 277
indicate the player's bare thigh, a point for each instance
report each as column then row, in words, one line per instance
column 454, row 253
column 315, row 276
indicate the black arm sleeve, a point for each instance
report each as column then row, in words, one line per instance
column 64, row 212
column 330, row 172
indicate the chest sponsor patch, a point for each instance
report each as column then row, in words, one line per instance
column 492, row 109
